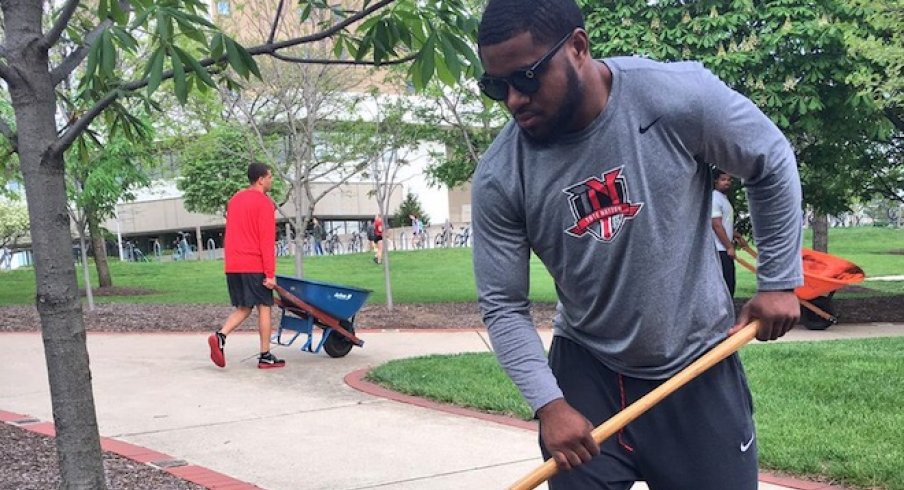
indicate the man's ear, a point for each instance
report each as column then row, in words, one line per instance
column 580, row 47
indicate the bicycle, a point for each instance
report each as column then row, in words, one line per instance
column 444, row 239
column 134, row 254
column 332, row 245
column 282, row 248
column 356, row 243
column 139, row 256
column 463, row 238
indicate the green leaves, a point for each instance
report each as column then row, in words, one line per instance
column 239, row 59
column 214, row 167
column 441, row 35
column 179, row 80
column 798, row 60
column 154, row 71
column 100, row 174
column 13, row 221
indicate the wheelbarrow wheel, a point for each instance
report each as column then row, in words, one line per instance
column 338, row 346
column 811, row 320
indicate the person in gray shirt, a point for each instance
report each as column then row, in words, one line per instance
column 604, row 174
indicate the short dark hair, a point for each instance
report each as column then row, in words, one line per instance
column 546, row 20
column 257, row 170
column 717, row 172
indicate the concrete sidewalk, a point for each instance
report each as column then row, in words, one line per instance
column 297, row 427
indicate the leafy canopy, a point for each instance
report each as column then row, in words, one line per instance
column 214, row 166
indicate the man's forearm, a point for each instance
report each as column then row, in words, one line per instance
column 720, row 233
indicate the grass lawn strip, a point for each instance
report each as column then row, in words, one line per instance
column 425, row 276
column 829, row 410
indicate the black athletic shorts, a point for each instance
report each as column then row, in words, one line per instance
column 700, row 437
column 247, row 289
column 728, row 271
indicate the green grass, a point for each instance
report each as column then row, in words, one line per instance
column 424, row 276
column 829, row 409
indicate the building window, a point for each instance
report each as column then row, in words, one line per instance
column 223, row 7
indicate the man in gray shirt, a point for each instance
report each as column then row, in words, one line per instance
column 604, row 175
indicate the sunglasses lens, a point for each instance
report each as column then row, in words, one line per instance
column 494, row 88
column 524, row 84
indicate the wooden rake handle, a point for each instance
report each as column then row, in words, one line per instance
column 605, row 430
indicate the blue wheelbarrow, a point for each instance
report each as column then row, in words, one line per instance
column 306, row 303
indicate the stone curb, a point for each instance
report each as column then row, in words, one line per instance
column 196, row 474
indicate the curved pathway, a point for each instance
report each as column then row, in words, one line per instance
column 302, row 426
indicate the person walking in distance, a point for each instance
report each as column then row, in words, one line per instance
column 378, row 239
column 318, row 235
column 250, row 265
column 603, row 175
column 723, row 227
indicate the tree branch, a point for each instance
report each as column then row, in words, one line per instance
column 895, row 119
column 464, row 131
column 53, row 35
column 317, row 36
column 82, row 123
column 10, row 135
column 75, row 58
column 8, row 75
column 275, row 21
column 85, row 120
column 320, row 61
column 271, row 48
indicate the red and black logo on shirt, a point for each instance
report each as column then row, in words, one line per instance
column 601, row 207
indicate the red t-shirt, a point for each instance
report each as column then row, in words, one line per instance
column 251, row 233
column 378, row 227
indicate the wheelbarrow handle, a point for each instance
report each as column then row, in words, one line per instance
column 605, row 430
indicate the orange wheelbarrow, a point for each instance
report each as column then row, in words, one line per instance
column 824, row 274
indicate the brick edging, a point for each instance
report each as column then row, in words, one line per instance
column 355, row 379
column 178, row 468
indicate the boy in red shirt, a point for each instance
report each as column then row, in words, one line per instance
column 250, row 248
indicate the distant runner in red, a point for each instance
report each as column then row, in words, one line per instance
column 250, row 264
column 378, row 238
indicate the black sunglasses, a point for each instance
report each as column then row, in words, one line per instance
column 524, row 81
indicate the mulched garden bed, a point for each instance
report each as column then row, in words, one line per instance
column 123, row 317
column 28, row 461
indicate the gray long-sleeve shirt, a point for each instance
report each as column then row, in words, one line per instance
column 619, row 213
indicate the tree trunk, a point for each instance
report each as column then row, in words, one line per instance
column 62, row 327
column 820, row 232
column 384, row 258
column 86, row 271
column 100, row 252
column 301, row 224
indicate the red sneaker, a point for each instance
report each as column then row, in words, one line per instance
column 217, row 342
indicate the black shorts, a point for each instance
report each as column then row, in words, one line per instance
column 247, row 289
column 700, row 437
column 378, row 238
column 728, row 271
